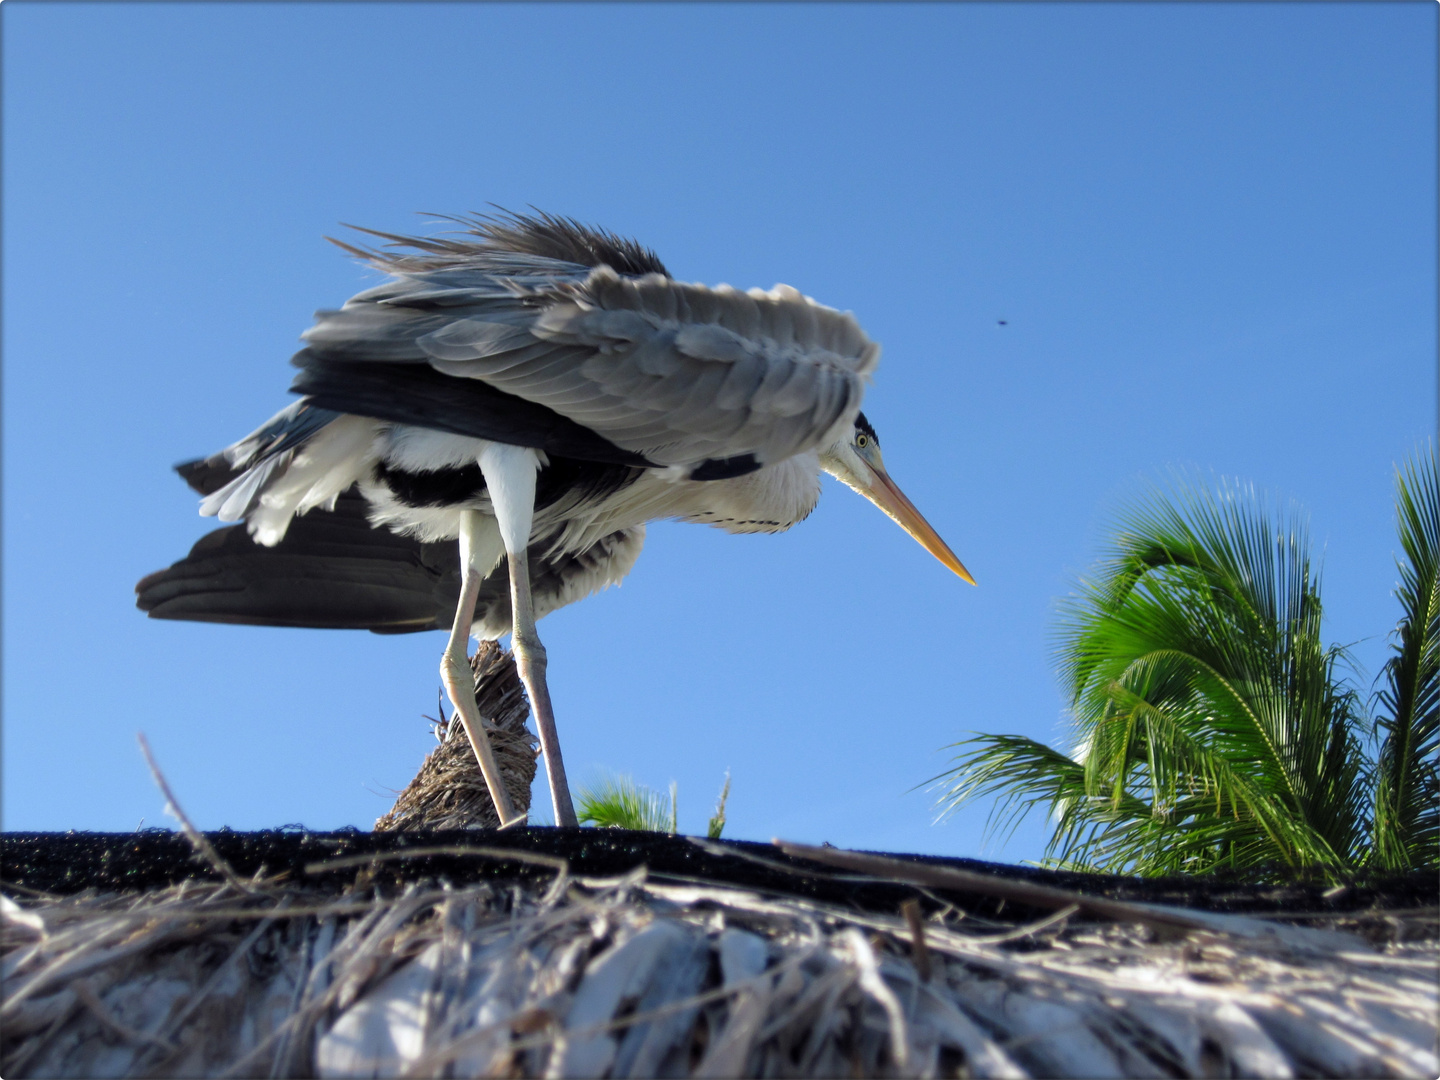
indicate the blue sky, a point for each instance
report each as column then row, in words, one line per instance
column 1209, row 229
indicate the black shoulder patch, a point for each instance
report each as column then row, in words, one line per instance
column 433, row 488
column 725, row 468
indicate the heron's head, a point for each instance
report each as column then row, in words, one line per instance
column 854, row 459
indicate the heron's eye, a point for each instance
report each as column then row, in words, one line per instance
column 862, row 441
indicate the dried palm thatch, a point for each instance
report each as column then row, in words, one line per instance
column 438, row 956
column 563, row 975
column 449, row 791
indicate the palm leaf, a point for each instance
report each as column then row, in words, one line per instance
column 618, row 802
column 1216, row 727
column 1407, row 803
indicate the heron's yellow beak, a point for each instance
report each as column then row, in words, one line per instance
column 888, row 497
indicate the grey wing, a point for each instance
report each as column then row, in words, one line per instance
column 677, row 373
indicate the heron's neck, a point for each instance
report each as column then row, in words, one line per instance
column 770, row 500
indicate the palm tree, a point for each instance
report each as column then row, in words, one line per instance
column 1215, row 728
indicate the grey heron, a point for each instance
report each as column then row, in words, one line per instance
column 536, row 390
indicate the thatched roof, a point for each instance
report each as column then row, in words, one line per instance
column 449, row 791
column 587, row 953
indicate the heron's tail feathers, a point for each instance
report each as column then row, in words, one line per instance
column 331, row 571
column 301, row 458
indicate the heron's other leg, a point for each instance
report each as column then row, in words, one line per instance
column 530, row 660
column 455, row 670
column 510, row 478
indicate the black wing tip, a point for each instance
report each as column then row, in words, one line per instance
column 145, row 598
column 206, row 475
column 332, row 571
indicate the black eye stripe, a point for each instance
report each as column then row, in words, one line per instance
column 863, row 427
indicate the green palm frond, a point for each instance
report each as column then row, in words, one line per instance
column 1407, row 803
column 618, row 802
column 1216, row 727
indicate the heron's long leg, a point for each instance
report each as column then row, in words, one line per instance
column 531, row 661
column 510, row 478
column 457, row 676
